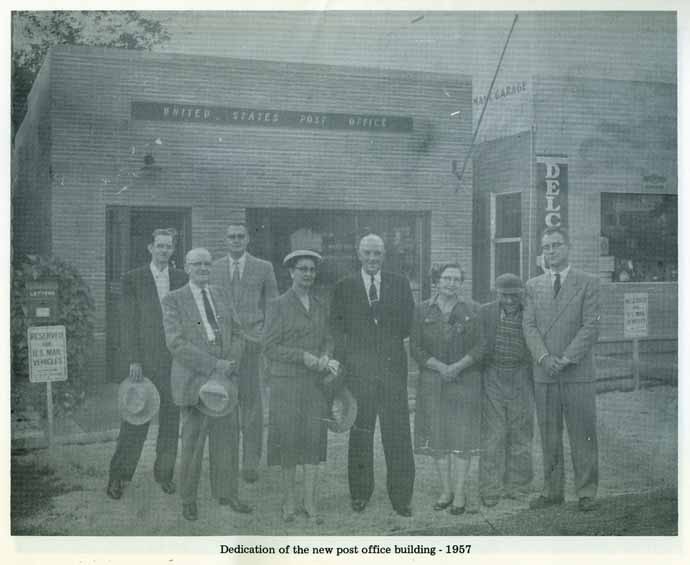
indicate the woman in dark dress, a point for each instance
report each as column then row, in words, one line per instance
column 445, row 343
column 298, row 346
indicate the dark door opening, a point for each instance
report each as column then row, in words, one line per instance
column 128, row 233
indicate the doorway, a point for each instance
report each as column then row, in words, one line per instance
column 128, row 233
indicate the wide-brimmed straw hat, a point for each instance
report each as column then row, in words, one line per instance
column 292, row 257
column 343, row 410
column 138, row 401
column 218, row 397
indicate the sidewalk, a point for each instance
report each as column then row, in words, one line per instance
column 97, row 419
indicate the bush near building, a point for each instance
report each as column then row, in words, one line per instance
column 75, row 311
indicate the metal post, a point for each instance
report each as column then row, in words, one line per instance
column 636, row 363
column 49, row 406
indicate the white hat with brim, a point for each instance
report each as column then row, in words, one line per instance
column 217, row 398
column 138, row 401
column 343, row 411
column 299, row 254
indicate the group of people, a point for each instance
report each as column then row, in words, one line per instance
column 482, row 372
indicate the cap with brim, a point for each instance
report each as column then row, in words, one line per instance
column 138, row 401
column 299, row 254
column 217, row 398
column 508, row 283
column 343, row 411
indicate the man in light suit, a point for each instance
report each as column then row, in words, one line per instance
column 251, row 283
column 370, row 317
column 561, row 323
column 143, row 349
column 204, row 339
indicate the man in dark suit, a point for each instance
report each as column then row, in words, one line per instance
column 561, row 324
column 204, row 339
column 143, row 348
column 251, row 283
column 371, row 316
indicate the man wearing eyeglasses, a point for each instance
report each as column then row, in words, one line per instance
column 561, row 324
column 371, row 315
column 251, row 283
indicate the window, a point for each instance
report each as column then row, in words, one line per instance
column 640, row 236
column 506, row 234
column 335, row 235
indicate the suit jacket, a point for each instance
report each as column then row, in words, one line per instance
column 142, row 336
column 257, row 286
column 567, row 325
column 193, row 357
column 291, row 330
column 369, row 341
column 489, row 316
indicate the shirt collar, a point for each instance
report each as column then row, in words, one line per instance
column 196, row 289
column 156, row 272
column 240, row 262
column 366, row 277
column 563, row 273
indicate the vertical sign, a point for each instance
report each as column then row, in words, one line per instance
column 635, row 308
column 552, row 191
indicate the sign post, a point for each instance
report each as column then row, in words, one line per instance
column 635, row 317
column 47, row 362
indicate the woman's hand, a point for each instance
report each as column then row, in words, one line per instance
column 311, row 361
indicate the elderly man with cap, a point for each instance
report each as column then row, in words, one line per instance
column 505, row 465
column 204, row 339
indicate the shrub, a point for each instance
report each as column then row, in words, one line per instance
column 75, row 311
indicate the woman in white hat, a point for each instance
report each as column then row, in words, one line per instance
column 298, row 346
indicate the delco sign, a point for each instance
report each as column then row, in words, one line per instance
column 552, row 191
column 42, row 300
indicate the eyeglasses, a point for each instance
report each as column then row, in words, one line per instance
column 236, row 236
column 448, row 279
column 306, row 269
column 552, row 246
column 197, row 264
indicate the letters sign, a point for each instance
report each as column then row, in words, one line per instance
column 635, row 308
column 552, row 191
column 47, row 354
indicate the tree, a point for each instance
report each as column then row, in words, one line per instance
column 33, row 33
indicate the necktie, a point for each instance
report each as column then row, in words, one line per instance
column 556, row 284
column 373, row 295
column 210, row 316
column 235, row 283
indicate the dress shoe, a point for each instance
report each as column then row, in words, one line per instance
column 236, row 504
column 490, row 501
column 168, row 487
column 457, row 510
column 443, row 504
column 190, row 511
column 358, row 505
column 586, row 504
column 405, row 511
column 250, row 475
column 115, row 489
column 544, row 502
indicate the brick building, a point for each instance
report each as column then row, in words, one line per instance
column 600, row 157
column 116, row 143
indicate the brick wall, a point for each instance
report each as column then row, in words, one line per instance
column 220, row 170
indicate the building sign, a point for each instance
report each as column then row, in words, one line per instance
column 552, row 191
column 47, row 354
column 195, row 113
column 42, row 300
column 500, row 92
column 635, row 308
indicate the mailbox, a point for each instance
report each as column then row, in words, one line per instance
column 42, row 301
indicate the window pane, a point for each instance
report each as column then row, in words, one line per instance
column 508, row 215
column 642, row 235
column 508, row 258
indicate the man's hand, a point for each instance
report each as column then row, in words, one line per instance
column 333, row 366
column 553, row 365
column 311, row 361
column 323, row 363
column 225, row 367
column 135, row 372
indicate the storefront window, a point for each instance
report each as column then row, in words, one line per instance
column 640, row 236
column 335, row 235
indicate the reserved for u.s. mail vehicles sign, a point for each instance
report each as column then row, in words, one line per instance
column 47, row 354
